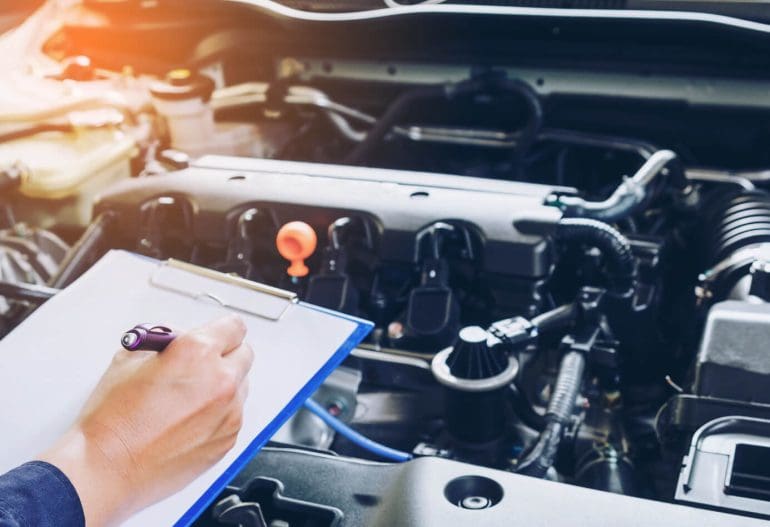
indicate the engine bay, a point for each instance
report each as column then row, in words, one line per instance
column 563, row 241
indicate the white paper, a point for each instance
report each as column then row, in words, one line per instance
column 52, row 361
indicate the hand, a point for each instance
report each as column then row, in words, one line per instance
column 156, row 420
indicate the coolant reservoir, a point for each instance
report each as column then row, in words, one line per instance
column 63, row 172
column 184, row 100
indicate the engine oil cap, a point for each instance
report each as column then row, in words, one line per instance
column 296, row 241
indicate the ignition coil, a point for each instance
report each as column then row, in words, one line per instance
column 166, row 224
column 241, row 249
column 332, row 287
column 432, row 316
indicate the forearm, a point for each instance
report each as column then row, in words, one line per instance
column 98, row 472
column 38, row 494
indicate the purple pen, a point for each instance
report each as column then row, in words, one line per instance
column 147, row 337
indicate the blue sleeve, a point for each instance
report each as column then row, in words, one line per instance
column 37, row 494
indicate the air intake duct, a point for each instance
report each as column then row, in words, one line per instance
column 736, row 245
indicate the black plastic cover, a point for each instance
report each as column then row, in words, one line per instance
column 734, row 359
column 727, row 468
column 433, row 491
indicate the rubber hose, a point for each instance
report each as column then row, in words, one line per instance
column 394, row 112
column 354, row 437
column 448, row 91
column 565, row 391
column 556, row 318
column 80, row 255
column 560, row 408
column 541, row 457
column 613, row 245
column 524, row 411
column 36, row 294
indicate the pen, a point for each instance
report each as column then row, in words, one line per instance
column 147, row 337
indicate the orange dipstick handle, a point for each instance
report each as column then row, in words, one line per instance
column 296, row 241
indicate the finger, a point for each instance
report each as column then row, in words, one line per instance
column 220, row 336
column 229, row 331
column 123, row 355
column 240, row 360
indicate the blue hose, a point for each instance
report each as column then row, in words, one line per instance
column 353, row 436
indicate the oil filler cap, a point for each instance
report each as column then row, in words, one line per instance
column 296, row 241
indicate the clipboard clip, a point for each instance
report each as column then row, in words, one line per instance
column 229, row 291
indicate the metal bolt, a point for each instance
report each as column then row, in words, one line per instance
column 336, row 408
column 475, row 503
column 395, row 330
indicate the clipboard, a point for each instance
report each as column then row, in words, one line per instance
column 201, row 283
column 297, row 345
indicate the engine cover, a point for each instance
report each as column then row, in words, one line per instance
column 509, row 219
column 311, row 488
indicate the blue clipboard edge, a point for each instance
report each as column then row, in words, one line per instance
column 362, row 330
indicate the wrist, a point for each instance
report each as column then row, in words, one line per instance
column 99, row 471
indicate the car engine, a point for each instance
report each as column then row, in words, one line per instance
column 558, row 220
